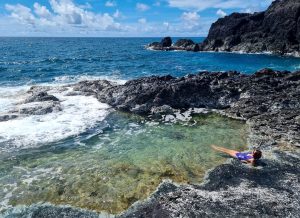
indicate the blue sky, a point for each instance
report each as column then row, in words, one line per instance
column 106, row 18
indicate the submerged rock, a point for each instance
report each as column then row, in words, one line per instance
column 6, row 117
column 39, row 108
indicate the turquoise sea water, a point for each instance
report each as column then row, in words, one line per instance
column 87, row 155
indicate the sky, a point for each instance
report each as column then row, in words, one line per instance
column 117, row 18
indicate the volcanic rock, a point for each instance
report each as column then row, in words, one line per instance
column 268, row 100
column 276, row 31
column 166, row 42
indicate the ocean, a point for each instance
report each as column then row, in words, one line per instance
column 86, row 154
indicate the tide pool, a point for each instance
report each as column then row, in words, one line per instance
column 122, row 162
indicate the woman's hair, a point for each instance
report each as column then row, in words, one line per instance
column 257, row 154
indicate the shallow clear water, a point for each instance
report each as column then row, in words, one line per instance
column 121, row 164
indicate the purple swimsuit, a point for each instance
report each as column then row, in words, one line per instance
column 244, row 155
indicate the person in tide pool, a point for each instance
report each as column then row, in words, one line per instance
column 245, row 157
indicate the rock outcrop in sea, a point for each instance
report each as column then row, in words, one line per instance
column 276, row 30
column 181, row 44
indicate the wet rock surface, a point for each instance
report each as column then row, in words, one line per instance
column 36, row 102
column 275, row 30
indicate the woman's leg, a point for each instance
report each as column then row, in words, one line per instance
column 225, row 150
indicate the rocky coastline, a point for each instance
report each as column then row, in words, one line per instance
column 269, row 101
column 274, row 31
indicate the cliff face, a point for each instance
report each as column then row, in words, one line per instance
column 275, row 30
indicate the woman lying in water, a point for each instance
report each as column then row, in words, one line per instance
column 245, row 157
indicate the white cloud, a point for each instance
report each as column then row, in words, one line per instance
column 142, row 7
column 200, row 5
column 117, row 14
column 221, row 13
column 190, row 16
column 65, row 15
column 110, row 4
column 142, row 21
column 21, row 13
column 41, row 11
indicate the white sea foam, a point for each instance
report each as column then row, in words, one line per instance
column 78, row 114
column 78, row 78
column 10, row 96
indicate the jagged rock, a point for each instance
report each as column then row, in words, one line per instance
column 166, row 42
column 268, row 100
column 164, row 109
column 184, row 43
column 40, row 96
column 275, row 30
column 194, row 48
column 38, row 108
column 181, row 44
column 92, row 87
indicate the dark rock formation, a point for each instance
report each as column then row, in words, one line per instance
column 163, row 45
column 166, row 42
column 276, row 30
column 92, row 87
column 40, row 96
column 184, row 43
column 268, row 100
column 181, row 44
